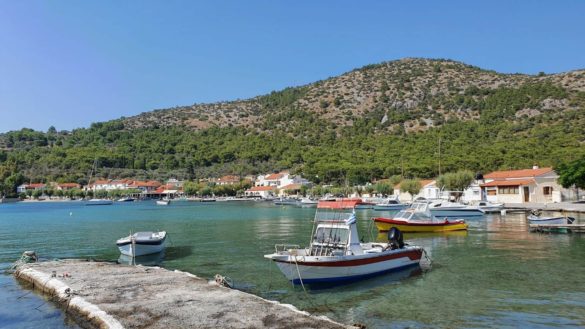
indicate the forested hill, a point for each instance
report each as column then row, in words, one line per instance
column 372, row 122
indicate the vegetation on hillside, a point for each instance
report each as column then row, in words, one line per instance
column 335, row 131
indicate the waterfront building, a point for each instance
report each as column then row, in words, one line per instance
column 536, row 185
column 264, row 192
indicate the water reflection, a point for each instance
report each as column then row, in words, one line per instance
column 511, row 233
column 147, row 260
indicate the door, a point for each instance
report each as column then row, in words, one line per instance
column 526, row 194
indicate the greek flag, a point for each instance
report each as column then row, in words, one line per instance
column 351, row 219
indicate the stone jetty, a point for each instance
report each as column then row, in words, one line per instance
column 110, row 295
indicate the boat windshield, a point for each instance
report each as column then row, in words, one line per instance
column 337, row 236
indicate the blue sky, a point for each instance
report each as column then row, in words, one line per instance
column 71, row 63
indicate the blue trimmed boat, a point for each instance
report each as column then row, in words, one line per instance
column 336, row 253
column 142, row 243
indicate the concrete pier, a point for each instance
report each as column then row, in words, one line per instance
column 560, row 206
column 109, row 295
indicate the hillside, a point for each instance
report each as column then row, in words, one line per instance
column 372, row 122
column 416, row 93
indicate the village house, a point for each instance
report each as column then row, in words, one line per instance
column 67, row 186
column 264, row 192
column 536, row 185
column 144, row 187
column 429, row 190
column 290, row 189
column 282, row 183
column 31, row 187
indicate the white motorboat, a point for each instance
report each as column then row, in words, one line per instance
column 163, row 202
column 489, row 207
column 126, row 199
column 336, row 254
column 98, row 202
column 452, row 209
column 286, row 202
column 391, row 204
column 142, row 243
column 307, row 202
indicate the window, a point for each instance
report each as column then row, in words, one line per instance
column 547, row 190
column 508, row 190
column 491, row 192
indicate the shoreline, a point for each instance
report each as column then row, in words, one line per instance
column 110, row 295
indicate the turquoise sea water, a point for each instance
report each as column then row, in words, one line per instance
column 496, row 275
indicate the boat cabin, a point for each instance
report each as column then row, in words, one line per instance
column 411, row 215
column 335, row 231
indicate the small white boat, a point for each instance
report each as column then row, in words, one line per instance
column 489, row 207
column 336, row 253
column 286, row 202
column 307, row 202
column 391, row 204
column 452, row 209
column 126, row 199
column 98, row 202
column 163, row 202
column 535, row 218
column 142, row 243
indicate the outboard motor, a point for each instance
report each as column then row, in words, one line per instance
column 395, row 238
column 570, row 220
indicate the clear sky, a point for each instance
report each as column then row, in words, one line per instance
column 71, row 63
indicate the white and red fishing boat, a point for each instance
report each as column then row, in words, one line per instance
column 335, row 253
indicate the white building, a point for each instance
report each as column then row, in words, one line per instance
column 537, row 185
column 264, row 192
column 429, row 190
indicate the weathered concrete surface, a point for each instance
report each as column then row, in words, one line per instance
column 108, row 295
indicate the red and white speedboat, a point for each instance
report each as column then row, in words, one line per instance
column 336, row 254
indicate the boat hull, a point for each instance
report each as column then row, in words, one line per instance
column 99, row 203
column 345, row 268
column 385, row 224
column 140, row 249
column 548, row 220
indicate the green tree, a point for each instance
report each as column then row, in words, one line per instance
column 456, row 182
column 383, row 189
column 37, row 193
column 572, row 174
column 411, row 186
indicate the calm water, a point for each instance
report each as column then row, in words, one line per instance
column 496, row 275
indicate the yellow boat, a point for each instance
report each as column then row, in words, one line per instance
column 409, row 221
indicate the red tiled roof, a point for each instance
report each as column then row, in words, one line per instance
column 522, row 173
column 138, row 183
column 69, row 185
column 273, row 177
column 425, row 182
column 101, row 182
column 229, row 178
column 36, row 185
column 291, row 187
column 510, row 182
column 261, row 188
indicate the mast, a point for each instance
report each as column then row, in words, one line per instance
column 439, row 156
